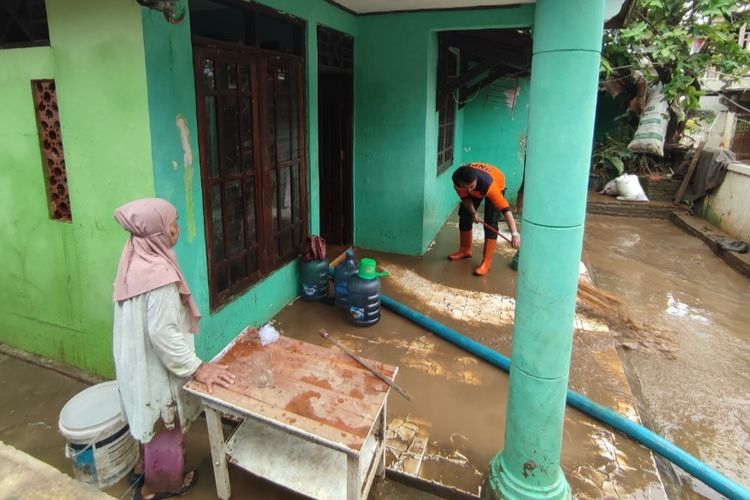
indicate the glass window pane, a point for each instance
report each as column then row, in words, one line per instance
column 277, row 34
column 235, row 218
column 221, row 279
column 287, row 246
column 231, row 76
column 226, row 76
column 286, row 198
column 247, row 134
column 209, row 74
column 274, row 201
column 221, row 76
column 230, row 146
column 294, row 124
column 283, row 139
column 252, row 261
column 271, row 131
column 295, row 194
column 250, row 211
column 213, row 140
column 282, row 80
column 270, row 78
column 245, row 78
column 217, row 228
column 238, row 269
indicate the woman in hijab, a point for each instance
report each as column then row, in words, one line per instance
column 154, row 349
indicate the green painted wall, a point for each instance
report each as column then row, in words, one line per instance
column 400, row 202
column 56, row 298
column 171, row 97
column 495, row 129
column 126, row 96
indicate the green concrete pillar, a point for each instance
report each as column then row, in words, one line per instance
column 564, row 78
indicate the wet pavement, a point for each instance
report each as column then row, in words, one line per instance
column 454, row 426
column 699, row 397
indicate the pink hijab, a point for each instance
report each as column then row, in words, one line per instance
column 148, row 260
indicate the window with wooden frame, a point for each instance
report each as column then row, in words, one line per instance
column 23, row 23
column 251, row 127
column 447, row 71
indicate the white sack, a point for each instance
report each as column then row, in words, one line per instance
column 652, row 129
column 626, row 187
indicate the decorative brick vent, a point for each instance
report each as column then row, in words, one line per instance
column 50, row 141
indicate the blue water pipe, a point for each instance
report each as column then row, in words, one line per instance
column 646, row 437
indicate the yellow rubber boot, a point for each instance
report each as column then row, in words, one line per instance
column 465, row 251
column 487, row 256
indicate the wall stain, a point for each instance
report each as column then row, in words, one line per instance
column 187, row 176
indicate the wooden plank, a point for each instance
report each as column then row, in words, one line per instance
column 347, row 383
column 357, row 383
column 346, row 374
column 308, row 428
column 314, row 390
column 353, row 486
column 309, row 401
column 305, row 348
column 218, row 454
column 289, row 460
column 246, row 344
column 365, row 364
column 689, row 174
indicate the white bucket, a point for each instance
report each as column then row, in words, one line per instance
column 99, row 440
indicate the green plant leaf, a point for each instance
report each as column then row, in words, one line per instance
column 618, row 164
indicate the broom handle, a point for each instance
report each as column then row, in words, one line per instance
column 364, row 363
column 589, row 288
column 495, row 231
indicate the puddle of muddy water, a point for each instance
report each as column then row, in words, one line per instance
column 672, row 282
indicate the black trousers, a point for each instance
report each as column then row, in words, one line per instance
column 491, row 217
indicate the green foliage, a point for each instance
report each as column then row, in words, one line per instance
column 611, row 157
column 659, row 39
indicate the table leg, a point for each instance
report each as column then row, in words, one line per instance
column 382, row 444
column 218, row 453
column 353, row 487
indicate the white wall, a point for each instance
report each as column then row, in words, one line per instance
column 728, row 207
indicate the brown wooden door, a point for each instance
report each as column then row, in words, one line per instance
column 252, row 148
column 335, row 116
column 335, row 139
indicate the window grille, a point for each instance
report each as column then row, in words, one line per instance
column 50, row 141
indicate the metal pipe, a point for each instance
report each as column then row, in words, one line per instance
column 646, row 437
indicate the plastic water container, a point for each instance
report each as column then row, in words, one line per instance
column 341, row 275
column 364, row 294
column 99, row 440
column 314, row 279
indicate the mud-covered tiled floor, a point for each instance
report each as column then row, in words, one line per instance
column 454, row 426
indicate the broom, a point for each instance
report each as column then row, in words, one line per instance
column 589, row 296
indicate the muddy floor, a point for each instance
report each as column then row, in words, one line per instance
column 33, row 396
column 699, row 396
column 691, row 385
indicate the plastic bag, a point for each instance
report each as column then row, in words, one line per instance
column 268, row 334
column 652, row 129
column 626, row 187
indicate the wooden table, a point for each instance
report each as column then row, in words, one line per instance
column 318, row 428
